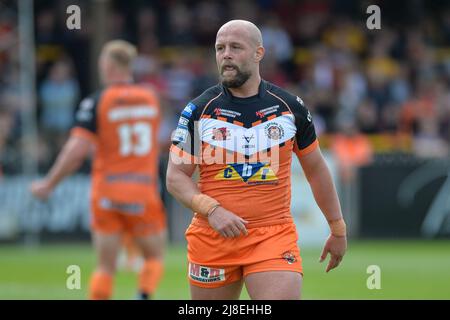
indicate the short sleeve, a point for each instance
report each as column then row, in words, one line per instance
column 185, row 141
column 86, row 118
column 305, row 137
column 86, row 114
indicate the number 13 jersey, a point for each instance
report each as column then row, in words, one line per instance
column 123, row 121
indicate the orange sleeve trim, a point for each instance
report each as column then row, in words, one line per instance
column 303, row 152
column 186, row 157
column 84, row 134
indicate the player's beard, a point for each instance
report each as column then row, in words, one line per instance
column 236, row 81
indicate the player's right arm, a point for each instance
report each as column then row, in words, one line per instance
column 79, row 146
column 180, row 184
column 71, row 157
column 179, row 181
column 181, row 166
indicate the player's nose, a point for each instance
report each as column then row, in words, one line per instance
column 227, row 53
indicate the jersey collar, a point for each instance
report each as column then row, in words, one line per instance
column 261, row 93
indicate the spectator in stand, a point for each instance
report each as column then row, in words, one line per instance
column 59, row 95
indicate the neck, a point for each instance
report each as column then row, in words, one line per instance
column 248, row 89
column 118, row 78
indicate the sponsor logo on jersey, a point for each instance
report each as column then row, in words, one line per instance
column 274, row 131
column 299, row 100
column 248, row 139
column 183, row 122
column 131, row 112
column 266, row 111
column 220, row 134
column 187, row 111
column 85, row 113
column 250, row 173
column 180, row 135
column 227, row 113
column 309, row 116
column 87, row 104
column 205, row 274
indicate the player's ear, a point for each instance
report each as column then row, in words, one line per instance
column 259, row 53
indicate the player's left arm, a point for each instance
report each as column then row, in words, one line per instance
column 307, row 149
column 70, row 159
column 324, row 191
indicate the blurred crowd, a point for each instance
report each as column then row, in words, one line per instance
column 358, row 83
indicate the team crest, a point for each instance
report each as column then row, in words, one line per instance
column 274, row 131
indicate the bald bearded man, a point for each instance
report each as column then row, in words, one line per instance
column 241, row 134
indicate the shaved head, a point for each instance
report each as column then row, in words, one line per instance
column 239, row 51
column 244, row 27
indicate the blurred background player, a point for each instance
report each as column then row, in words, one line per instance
column 130, row 258
column 119, row 125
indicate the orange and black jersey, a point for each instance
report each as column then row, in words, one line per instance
column 123, row 121
column 244, row 149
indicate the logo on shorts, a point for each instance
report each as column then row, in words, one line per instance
column 289, row 257
column 205, row 274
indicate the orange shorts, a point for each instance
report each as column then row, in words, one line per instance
column 151, row 220
column 215, row 261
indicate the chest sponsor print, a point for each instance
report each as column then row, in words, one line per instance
column 250, row 173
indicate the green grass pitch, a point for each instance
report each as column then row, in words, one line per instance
column 409, row 270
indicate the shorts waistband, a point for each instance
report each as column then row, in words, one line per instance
column 203, row 222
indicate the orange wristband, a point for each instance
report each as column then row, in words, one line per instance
column 338, row 228
column 203, row 204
